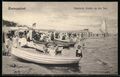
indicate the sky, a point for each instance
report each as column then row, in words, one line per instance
column 61, row 15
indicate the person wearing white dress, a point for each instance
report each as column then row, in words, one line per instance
column 8, row 45
column 29, row 35
column 22, row 41
column 51, row 51
column 15, row 41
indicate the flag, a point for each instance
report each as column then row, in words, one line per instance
column 34, row 24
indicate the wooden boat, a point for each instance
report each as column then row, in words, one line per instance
column 65, row 43
column 43, row 58
column 39, row 42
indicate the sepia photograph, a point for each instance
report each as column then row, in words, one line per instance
column 59, row 38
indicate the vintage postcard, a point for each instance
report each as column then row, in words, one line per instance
column 59, row 38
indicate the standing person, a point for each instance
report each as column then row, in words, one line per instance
column 15, row 41
column 29, row 35
column 22, row 41
column 3, row 43
column 8, row 45
column 52, row 36
column 79, row 51
column 42, row 37
column 82, row 41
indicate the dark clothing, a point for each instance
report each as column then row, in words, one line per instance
column 52, row 36
column 58, row 50
column 79, row 54
column 28, row 39
column 63, row 38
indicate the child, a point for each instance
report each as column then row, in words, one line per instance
column 79, row 51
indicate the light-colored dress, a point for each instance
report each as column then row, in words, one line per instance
column 22, row 41
column 29, row 34
column 15, row 42
column 79, row 51
column 31, row 44
column 51, row 51
column 8, row 45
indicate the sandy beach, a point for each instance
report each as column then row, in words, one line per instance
column 99, row 57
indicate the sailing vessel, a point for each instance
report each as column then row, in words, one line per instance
column 104, row 28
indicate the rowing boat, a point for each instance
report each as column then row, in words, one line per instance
column 43, row 58
column 64, row 42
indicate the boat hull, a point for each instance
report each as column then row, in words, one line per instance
column 44, row 59
column 64, row 43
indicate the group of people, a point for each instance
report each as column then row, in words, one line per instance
column 7, row 44
column 53, row 50
column 72, row 37
column 26, row 38
column 51, row 36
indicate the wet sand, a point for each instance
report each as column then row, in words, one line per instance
column 99, row 57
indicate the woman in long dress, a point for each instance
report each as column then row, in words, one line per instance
column 15, row 41
column 22, row 41
column 8, row 45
